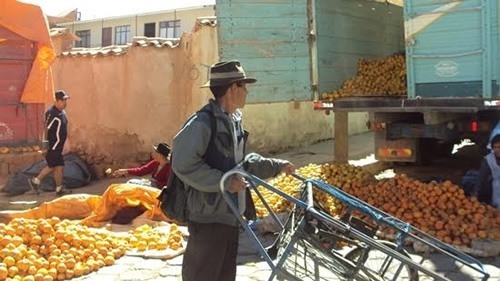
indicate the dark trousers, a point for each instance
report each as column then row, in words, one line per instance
column 210, row 253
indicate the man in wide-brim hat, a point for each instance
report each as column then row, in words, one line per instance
column 227, row 73
column 211, row 143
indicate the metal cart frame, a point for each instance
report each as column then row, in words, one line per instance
column 299, row 237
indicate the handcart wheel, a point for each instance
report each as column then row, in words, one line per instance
column 376, row 260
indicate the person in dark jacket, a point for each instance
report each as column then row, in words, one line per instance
column 56, row 123
column 199, row 160
column 158, row 167
column 488, row 187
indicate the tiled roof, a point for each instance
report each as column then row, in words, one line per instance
column 210, row 20
column 104, row 51
column 116, row 50
column 156, row 42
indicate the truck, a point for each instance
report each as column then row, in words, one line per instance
column 26, row 54
column 308, row 47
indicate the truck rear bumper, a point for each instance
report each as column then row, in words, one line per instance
column 387, row 104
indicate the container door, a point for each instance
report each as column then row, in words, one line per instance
column 270, row 38
column 452, row 48
column 19, row 123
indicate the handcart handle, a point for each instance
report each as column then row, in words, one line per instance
column 252, row 181
column 229, row 200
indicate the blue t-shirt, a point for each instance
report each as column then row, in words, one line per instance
column 57, row 128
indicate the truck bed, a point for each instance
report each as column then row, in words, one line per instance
column 388, row 104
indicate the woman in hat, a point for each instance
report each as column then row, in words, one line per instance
column 158, row 167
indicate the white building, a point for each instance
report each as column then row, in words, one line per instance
column 120, row 30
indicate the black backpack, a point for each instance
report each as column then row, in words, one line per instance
column 173, row 197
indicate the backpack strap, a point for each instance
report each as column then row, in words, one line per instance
column 213, row 124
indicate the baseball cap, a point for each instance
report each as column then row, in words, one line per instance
column 61, row 95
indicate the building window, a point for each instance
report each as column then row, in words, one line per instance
column 149, row 29
column 170, row 29
column 84, row 38
column 107, row 36
column 122, row 34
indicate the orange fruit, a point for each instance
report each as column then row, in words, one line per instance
column 4, row 253
column 70, row 263
column 3, row 272
column 54, row 220
column 9, row 261
column 142, row 245
column 43, row 271
column 69, row 274
column 23, row 264
column 61, row 267
column 109, row 260
column 36, row 239
column 13, row 271
column 31, row 270
column 29, row 278
column 53, row 272
column 38, row 277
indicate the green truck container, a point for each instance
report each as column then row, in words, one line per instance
column 301, row 48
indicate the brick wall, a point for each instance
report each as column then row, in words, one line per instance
column 11, row 163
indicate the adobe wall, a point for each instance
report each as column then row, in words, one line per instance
column 121, row 104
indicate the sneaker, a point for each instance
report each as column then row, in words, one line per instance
column 64, row 191
column 34, row 185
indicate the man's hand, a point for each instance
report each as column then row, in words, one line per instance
column 236, row 184
column 288, row 169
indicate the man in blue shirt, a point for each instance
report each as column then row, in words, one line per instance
column 56, row 124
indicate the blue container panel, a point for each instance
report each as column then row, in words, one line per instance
column 270, row 40
column 446, row 57
column 495, row 14
column 349, row 30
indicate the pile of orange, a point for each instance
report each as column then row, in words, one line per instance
column 54, row 249
column 147, row 238
column 289, row 185
column 439, row 209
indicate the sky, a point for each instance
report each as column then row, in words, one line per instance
column 94, row 9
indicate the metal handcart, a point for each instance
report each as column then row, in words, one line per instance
column 306, row 243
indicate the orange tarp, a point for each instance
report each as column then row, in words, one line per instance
column 93, row 210
column 29, row 22
column 72, row 207
column 118, row 196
